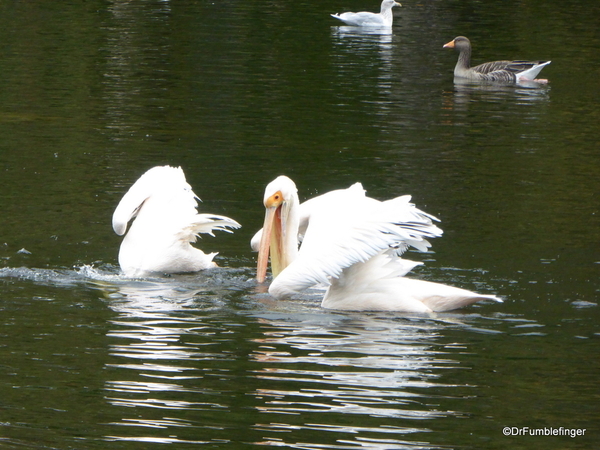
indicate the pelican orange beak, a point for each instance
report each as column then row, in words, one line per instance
column 449, row 44
column 271, row 239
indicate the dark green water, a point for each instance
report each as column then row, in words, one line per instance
column 95, row 93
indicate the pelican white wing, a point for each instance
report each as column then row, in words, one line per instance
column 166, row 221
column 344, row 228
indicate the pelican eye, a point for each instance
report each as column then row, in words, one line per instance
column 274, row 200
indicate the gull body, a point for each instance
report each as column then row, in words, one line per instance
column 384, row 18
column 166, row 222
column 352, row 244
column 506, row 71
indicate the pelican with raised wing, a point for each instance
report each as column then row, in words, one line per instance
column 352, row 244
column 166, row 223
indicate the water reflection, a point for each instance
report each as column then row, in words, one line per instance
column 164, row 347
column 172, row 355
column 137, row 53
column 357, row 42
column 525, row 92
column 185, row 364
column 321, row 368
column 385, row 34
column 355, row 48
column 349, row 381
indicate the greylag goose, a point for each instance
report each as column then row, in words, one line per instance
column 166, row 222
column 508, row 71
column 352, row 244
column 369, row 19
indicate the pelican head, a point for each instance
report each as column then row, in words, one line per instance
column 280, row 229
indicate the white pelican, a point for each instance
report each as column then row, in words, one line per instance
column 368, row 19
column 166, row 222
column 352, row 244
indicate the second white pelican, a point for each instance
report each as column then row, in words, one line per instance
column 166, row 222
column 352, row 244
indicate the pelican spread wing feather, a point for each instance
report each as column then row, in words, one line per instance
column 207, row 224
column 346, row 228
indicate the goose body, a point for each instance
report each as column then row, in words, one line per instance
column 384, row 18
column 352, row 244
column 166, row 222
column 506, row 71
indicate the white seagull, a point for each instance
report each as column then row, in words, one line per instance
column 352, row 244
column 369, row 19
column 166, row 222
